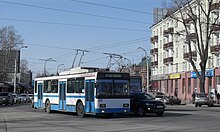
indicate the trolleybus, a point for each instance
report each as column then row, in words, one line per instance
column 84, row 90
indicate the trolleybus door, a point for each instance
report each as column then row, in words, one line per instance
column 89, row 92
column 40, row 95
column 62, row 95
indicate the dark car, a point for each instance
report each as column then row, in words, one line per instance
column 142, row 103
column 174, row 100
column 6, row 98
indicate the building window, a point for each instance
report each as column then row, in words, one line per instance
column 218, row 60
column 164, row 69
column 176, row 24
column 160, row 43
column 177, row 52
column 160, row 30
column 176, row 67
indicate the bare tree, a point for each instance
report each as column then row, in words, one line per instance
column 10, row 41
column 199, row 24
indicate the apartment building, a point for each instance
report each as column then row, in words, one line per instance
column 171, row 70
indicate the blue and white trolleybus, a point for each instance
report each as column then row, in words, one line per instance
column 84, row 90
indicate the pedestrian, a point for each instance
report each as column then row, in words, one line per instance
column 218, row 97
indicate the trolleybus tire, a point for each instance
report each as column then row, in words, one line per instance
column 80, row 110
column 48, row 107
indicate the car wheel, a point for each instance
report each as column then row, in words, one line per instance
column 200, row 105
column 140, row 111
column 159, row 114
column 47, row 107
column 80, row 110
column 12, row 102
column 196, row 105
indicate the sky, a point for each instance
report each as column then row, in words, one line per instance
column 55, row 28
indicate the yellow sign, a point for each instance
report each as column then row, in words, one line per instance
column 175, row 76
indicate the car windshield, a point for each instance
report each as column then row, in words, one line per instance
column 3, row 94
column 143, row 96
column 201, row 95
column 159, row 96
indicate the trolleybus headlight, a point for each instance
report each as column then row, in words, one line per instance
column 102, row 105
column 125, row 105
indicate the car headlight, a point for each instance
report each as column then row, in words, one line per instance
column 3, row 98
column 149, row 104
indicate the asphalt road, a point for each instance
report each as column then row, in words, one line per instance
column 22, row 118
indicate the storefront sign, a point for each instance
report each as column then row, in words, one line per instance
column 175, row 76
column 208, row 73
column 159, row 77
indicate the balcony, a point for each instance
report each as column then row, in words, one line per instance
column 154, row 51
column 215, row 49
column 186, row 56
column 192, row 36
column 188, row 21
column 154, row 64
column 168, row 46
column 215, row 7
column 167, row 32
column 154, row 39
column 215, row 27
column 168, row 60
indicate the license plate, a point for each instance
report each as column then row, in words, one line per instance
column 159, row 106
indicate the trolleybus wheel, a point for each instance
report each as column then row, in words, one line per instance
column 80, row 110
column 47, row 107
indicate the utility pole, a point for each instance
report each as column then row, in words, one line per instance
column 15, row 73
column 15, row 76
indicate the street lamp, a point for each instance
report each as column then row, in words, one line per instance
column 58, row 68
column 147, row 67
column 15, row 74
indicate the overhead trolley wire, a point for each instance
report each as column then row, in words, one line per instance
column 74, row 12
column 114, row 7
column 75, row 25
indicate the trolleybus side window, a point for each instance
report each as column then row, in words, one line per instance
column 35, row 87
column 51, row 86
column 71, row 85
column 75, row 85
column 79, row 88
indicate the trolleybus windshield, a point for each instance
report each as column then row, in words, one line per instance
column 112, row 88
